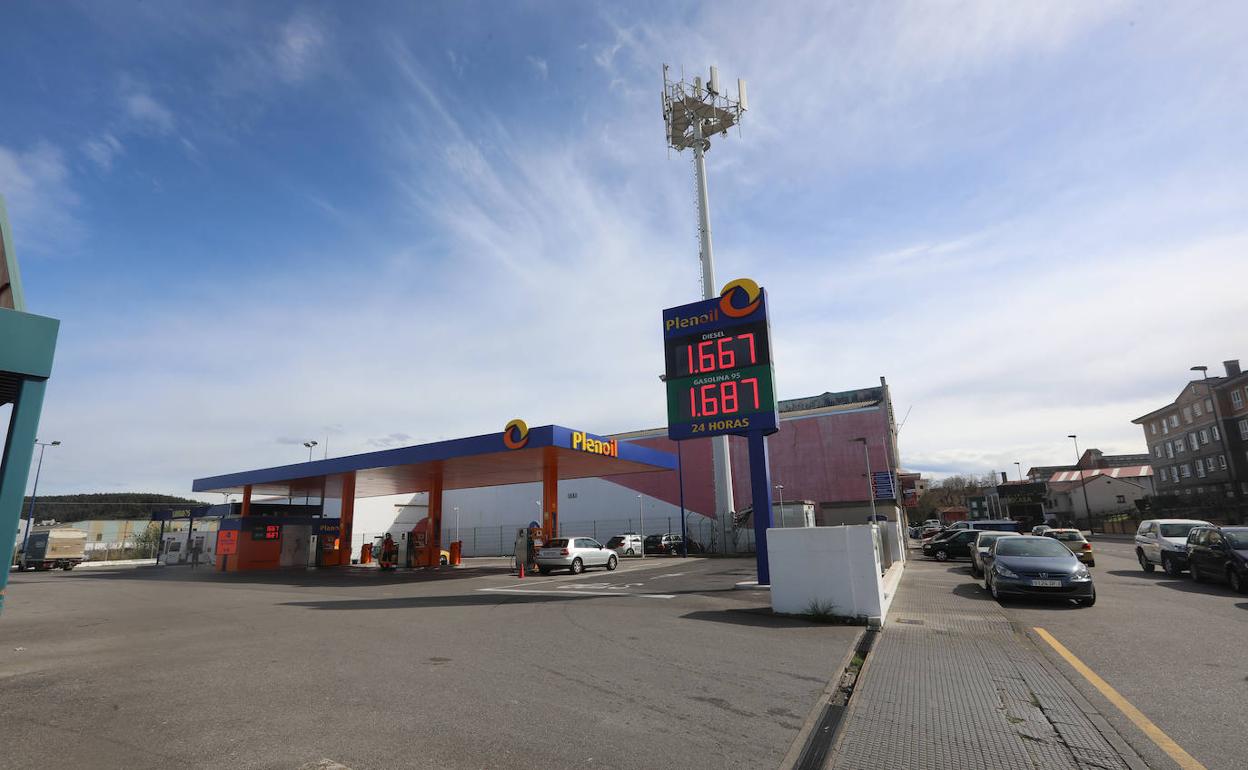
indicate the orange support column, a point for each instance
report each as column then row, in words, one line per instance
column 246, row 510
column 550, row 493
column 347, row 520
column 434, row 532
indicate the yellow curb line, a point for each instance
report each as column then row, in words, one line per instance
column 1154, row 733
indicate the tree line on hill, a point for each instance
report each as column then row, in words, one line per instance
column 107, row 505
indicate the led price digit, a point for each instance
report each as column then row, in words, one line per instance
column 723, row 397
column 718, row 354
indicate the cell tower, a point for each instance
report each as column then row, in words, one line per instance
column 693, row 112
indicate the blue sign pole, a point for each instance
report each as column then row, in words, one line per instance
column 680, row 479
column 760, row 493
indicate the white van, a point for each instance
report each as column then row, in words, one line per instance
column 626, row 544
column 1164, row 542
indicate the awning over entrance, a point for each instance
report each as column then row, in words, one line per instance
column 465, row 463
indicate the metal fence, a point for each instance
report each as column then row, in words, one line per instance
column 1127, row 521
column 501, row 540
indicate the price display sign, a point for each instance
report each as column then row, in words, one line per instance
column 266, row 532
column 720, row 378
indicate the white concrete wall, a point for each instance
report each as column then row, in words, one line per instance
column 836, row 566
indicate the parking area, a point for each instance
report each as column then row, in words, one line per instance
column 1170, row 646
column 659, row 663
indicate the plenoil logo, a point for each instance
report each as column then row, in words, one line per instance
column 516, row 434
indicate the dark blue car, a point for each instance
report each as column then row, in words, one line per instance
column 1036, row 566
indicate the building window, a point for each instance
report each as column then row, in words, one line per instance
column 1209, row 405
column 1243, row 429
column 1170, row 449
column 1237, row 399
column 1222, row 462
column 1200, row 469
column 1196, row 409
column 1210, row 463
column 1187, row 414
column 1157, row 451
column 1204, row 436
column 1179, row 446
column 1186, row 470
column 1174, row 421
column 1122, row 498
column 1165, row 427
column 1152, row 426
column 1192, row 442
column 1216, row 435
column 1163, row 474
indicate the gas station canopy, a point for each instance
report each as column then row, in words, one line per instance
column 516, row 455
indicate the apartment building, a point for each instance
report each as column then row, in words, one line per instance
column 1197, row 443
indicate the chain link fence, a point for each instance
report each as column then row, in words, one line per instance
column 501, row 540
column 1127, row 521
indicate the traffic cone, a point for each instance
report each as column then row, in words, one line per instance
column 521, row 570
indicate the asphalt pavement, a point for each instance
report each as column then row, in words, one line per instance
column 1172, row 647
column 658, row 664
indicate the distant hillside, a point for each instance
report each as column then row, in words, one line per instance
column 112, row 505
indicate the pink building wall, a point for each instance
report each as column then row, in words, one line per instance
column 815, row 458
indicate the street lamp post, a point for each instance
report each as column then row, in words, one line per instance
column 641, row 519
column 34, row 493
column 457, row 523
column 1217, row 419
column 1020, row 470
column 309, row 445
column 1087, row 509
column 780, row 490
column 870, row 481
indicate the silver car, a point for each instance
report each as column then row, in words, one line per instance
column 575, row 554
column 980, row 547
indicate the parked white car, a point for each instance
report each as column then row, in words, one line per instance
column 575, row 554
column 1164, row 542
column 626, row 544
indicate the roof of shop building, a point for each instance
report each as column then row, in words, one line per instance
column 1129, row 472
column 465, row 463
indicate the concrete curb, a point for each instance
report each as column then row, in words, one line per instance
column 816, row 711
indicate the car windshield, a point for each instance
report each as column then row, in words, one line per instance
column 1238, row 538
column 559, row 542
column 617, row 540
column 1031, row 546
column 986, row 538
column 653, row 538
column 1177, row 530
column 1066, row 535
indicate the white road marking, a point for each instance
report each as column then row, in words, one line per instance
column 674, row 574
column 573, row 593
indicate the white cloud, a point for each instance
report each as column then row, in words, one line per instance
column 297, row 50
column 102, row 150
column 40, row 199
column 145, row 111
column 539, row 66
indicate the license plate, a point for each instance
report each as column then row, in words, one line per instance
column 1046, row 584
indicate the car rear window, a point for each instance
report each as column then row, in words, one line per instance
column 1177, row 530
column 1066, row 536
column 1238, row 538
column 987, row 537
column 1030, row 546
column 559, row 542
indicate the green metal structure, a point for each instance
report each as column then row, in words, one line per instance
column 27, row 345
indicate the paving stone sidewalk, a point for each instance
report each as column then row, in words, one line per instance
column 950, row 684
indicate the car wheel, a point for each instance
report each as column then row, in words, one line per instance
column 1195, row 573
column 577, row 566
column 1092, row 563
column 443, row 561
column 1145, row 564
column 612, row 563
column 630, row 552
column 1088, row 602
column 996, row 594
column 1235, row 581
column 1170, row 566
column 942, row 555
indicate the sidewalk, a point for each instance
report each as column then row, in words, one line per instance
column 950, row 684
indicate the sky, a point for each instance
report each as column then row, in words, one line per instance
column 378, row 224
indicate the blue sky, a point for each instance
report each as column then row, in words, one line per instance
column 391, row 223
